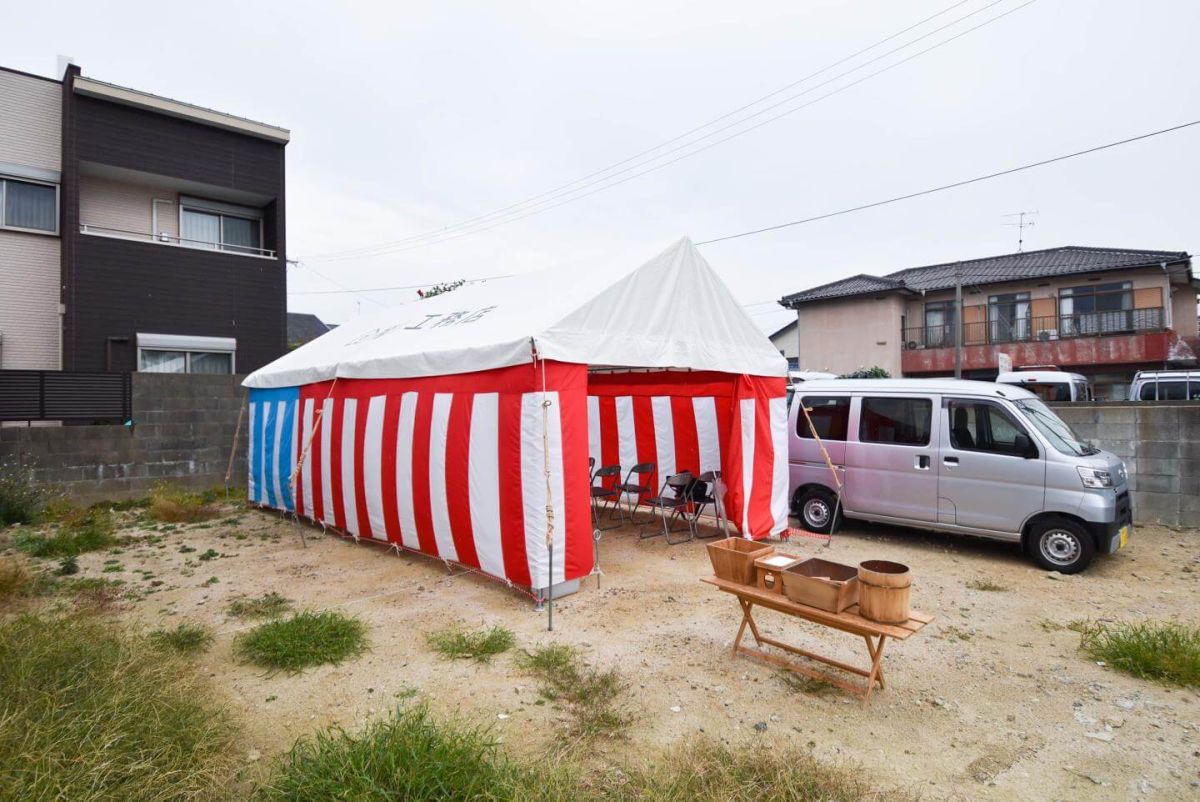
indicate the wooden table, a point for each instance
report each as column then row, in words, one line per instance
column 874, row 634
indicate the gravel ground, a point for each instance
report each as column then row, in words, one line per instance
column 992, row 700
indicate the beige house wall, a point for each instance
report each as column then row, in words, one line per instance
column 30, row 264
column 844, row 335
column 29, row 321
column 785, row 340
column 30, row 121
column 1183, row 311
column 123, row 206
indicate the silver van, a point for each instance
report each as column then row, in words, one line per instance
column 967, row 457
column 1165, row 385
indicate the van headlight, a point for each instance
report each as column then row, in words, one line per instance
column 1094, row 477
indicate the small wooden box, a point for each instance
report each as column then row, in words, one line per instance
column 822, row 584
column 733, row 558
column 770, row 570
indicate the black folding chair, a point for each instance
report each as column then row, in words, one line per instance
column 674, row 497
column 638, row 489
column 708, row 490
column 605, row 497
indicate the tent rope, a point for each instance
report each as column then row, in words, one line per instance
column 837, row 480
column 236, row 436
column 294, row 479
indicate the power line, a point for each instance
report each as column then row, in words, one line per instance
column 344, row 288
column 472, row 225
column 954, row 185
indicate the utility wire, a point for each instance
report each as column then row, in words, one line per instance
column 954, row 185
column 344, row 288
column 689, row 154
column 566, row 188
column 389, row 289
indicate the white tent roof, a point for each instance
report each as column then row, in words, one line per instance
column 672, row 312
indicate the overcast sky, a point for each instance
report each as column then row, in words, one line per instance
column 410, row 117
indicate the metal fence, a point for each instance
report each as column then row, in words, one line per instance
column 1037, row 329
column 37, row 395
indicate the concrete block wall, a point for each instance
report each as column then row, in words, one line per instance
column 182, row 435
column 1160, row 443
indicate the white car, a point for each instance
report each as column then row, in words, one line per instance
column 1050, row 385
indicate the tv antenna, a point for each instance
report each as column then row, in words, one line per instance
column 1024, row 220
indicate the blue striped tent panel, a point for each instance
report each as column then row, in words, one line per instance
column 274, row 446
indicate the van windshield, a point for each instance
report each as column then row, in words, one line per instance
column 1054, row 428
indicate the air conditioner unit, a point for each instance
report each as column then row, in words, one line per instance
column 1047, row 334
column 913, row 345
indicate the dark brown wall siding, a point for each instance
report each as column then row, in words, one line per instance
column 133, row 286
column 136, row 139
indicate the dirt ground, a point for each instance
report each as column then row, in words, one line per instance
column 992, row 700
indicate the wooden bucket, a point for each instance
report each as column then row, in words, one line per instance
column 883, row 591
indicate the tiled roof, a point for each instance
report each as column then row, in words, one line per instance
column 302, row 328
column 990, row 270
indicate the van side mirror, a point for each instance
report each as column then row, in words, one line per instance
column 1024, row 446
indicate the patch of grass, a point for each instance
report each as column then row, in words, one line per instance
column 17, row 582
column 80, row 531
column 302, row 640
column 68, row 566
column 93, row 592
column 704, row 768
column 268, row 605
column 590, row 695
column 209, row 554
column 409, row 755
column 172, row 506
column 986, row 585
column 185, row 638
column 21, row 501
column 89, row 712
column 1166, row 651
column 482, row 645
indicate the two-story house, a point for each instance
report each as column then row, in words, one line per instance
column 138, row 232
column 1102, row 312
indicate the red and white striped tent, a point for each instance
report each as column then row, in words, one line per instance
column 460, row 425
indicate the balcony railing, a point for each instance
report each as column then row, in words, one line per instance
column 1037, row 329
column 167, row 239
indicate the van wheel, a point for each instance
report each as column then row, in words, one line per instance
column 815, row 507
column 1059, row 544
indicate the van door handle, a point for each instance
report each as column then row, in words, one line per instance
column 951, row 462
column 921, row 462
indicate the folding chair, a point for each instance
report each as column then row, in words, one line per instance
column 603, row 497
column 677, row 502
column 639, row 488
column 712, row 492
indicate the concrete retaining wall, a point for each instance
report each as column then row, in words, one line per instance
column 1160, row 443
column 182, row 434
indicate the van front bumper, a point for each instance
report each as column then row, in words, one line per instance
column 1108, row 535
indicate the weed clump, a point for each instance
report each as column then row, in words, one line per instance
column 185, row 638
column 589, row 694
column 170, row 505
column 80, row 531
column 17, row 582
column 457, row 643
column 1164, row 651
column 89, row 712
column 268, row 605
column 302, row 640
column 986, row 585
column 20, row 500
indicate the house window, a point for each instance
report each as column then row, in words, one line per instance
column 28, row 206
column 939, row 324
column 172, row 353
column 1008, row 317
column 220, row 226
column 1097, row 308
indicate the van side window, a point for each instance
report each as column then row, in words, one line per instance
column 980, row 426
column 830, row 417
column 902, row 421
column 1147, row 392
